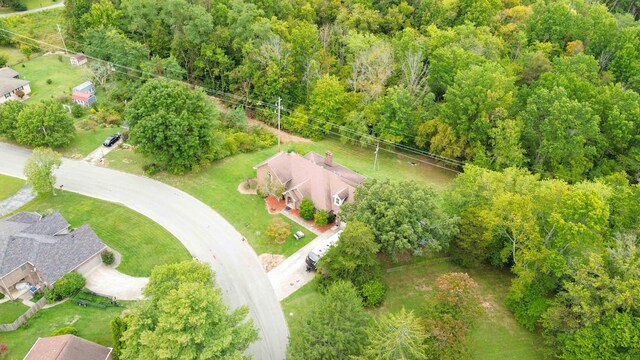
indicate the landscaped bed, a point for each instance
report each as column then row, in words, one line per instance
column 142, row 243
column 10, row 311
column 92, row 324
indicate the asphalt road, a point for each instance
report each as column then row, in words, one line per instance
column 206, row 234
column 44, row 8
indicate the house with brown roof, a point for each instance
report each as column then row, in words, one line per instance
column 327, row 183
column 67, row 347
column 78, row 59
column 37, row 251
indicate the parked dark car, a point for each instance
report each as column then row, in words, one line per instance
column 112, row 140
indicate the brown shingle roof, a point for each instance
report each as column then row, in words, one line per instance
column 67, row 347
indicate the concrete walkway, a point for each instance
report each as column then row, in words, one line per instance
column 291, row 274
column 206, row 234
column 16, row 201
column 108, row 281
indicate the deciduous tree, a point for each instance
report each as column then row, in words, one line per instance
column 39, row 169
column 44, row 124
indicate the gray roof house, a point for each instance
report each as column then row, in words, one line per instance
column 11, row 87
column 40, row 250
column 85, row 87
column 67, row 347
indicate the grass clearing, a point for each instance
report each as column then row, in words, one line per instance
column 30, row 4
column 9, row 186
column 38, row 25
column 92, row 324
column 55, row 67
column 12, row 54
column 496, row 334
column 11, row 310
column 142, row 243
column 86, row 141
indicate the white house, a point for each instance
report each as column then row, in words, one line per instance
column 78, row 59
column 11, row 87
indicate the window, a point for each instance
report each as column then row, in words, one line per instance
column 336, row 200
column 21, row 88
column 7, row 95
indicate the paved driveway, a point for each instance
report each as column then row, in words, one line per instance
column 106, row 280
column 206, row 234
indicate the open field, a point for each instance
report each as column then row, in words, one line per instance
column 142, row 243
column 11, row 310
column 30, row 4
column 55, row 67
column 92, row 324
column 38, row 25
column 9, row 185
column 496, row 335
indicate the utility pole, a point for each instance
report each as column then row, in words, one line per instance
column 278, row 107
column 62, row 37
column 375, row 161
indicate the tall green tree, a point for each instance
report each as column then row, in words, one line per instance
column 403, row 216
column 396, row 336
column 39, row 169
column 44, row 124
column 9, row 112
column 334, row 328
column 183, row 317
column 172, row 123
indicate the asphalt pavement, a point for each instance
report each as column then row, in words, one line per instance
column 206, row 234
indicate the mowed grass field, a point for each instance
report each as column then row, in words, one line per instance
column 142, row 243
column 11, row 310
column 92, row 324
column 87, row 141
column 54, row 67
column 9, row 185
column 496, row 334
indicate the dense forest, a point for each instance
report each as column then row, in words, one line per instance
column 548, row 85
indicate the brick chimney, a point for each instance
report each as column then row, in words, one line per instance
column 328, row 158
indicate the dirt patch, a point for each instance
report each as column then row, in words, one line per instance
column 270, row 261
column 274, row 205
column 73, row 320
column 284, row 136
column 248, row 187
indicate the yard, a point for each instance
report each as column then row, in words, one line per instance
column 54, row 67
column 11, row 310
column 92, row 324
column 216, row 185
column 142, row 243
column 86, row 141
column 496, row 335
column 9, row 186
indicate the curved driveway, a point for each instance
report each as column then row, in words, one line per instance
column 206, row 234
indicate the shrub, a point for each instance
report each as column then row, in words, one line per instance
column 67, row 286
column 1, row 296
column 77, row 111
column 373, row 292
column 3, row 60
column 87, row 125
column 60, row 58
column 65, row 330
column 331, row 218
column 279, row 230
column 307, row 209
column 108, row 117
column 3, row 348
column 20, row 93
column 107, row 257
column 321, row 218
column 152, row 169
column 49, row 81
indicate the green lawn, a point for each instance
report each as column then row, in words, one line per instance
column 11, row 310
column 9, row 186
column 12, row 54
column 63, row 75
column 39, row 25
column 142, row 243
column 496, row 335
column 86, row 141
column 92, row 324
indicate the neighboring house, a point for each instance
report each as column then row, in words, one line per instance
column 10, row 83
column 85, row 87
column 39, row 250
column 67, row 347
column 78, row 59
column 83, row 98
column 327, row 183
